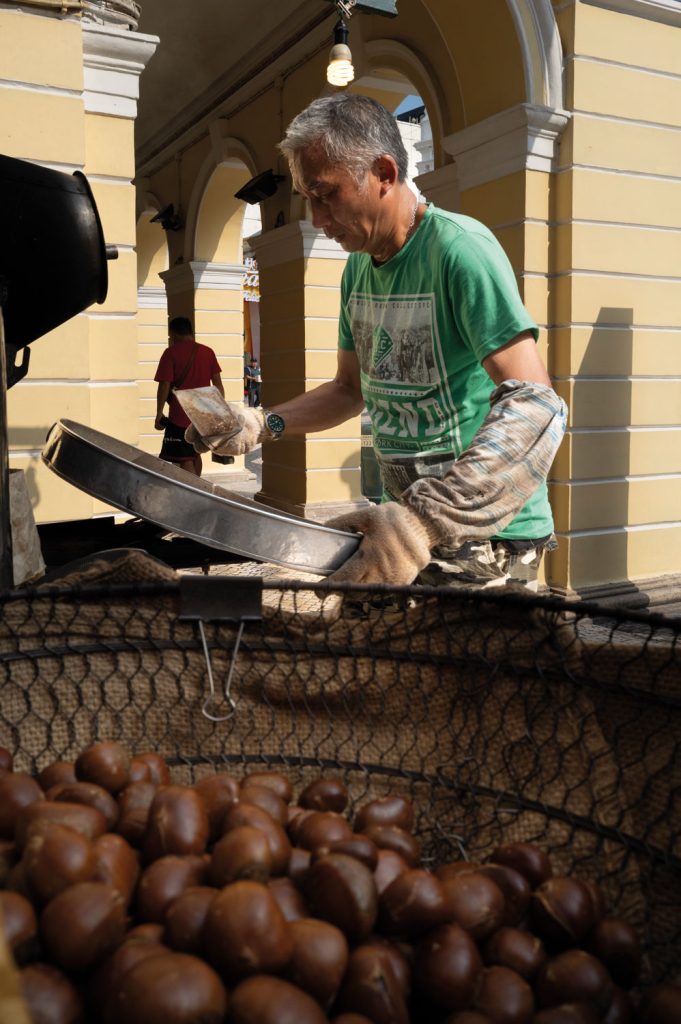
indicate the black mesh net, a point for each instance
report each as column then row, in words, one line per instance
column 505, row 717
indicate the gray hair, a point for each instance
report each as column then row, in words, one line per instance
column 351, row 130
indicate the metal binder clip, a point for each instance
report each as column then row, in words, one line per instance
column 220, row 599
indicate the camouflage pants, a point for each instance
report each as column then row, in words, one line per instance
column 488, row 563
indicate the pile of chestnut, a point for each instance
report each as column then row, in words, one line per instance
column 130, row 899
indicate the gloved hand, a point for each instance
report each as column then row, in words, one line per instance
column 234, row 435
column 395, row 547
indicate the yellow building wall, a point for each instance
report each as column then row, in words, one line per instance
column 616, row 301
column 85, row 369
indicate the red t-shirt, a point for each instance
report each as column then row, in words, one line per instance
column 172, row 365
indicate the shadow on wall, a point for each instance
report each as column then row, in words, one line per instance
column 602, row 414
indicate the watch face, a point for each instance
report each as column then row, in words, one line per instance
column 275, row 423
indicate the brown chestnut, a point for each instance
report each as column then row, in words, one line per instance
column 468, row 1017
column 413, row 903
column 244, row 852
column 56, row 858
column 661, row 1004
column 392, row 837
column 174, row 987
column 526, row 858
column 456, row 867
column 616, row 943
column 163, row 881
column 116, row 863
column 522, row 951
column 370, row 987
column 8, row 858
column 218, row 792
column 245, row 932
column 574, row 977
column 320, row 957
column 475, row 902
column 140, row 771
column 389, row 866
column 326, row 794
column 158, row 767
column 386, row 810
column 248, row 814
column 50, row 996
column 19, row 924
column 17, row 791
column 57, row 773
column 186, row 917
column 107, row 764
column 447, row 967
column 134, row 803
column 105, row 981
column 321, row 828
column 6, row 760
column 44, row 813
column 289, row 897
column 266, row 1000
column 298, row 864
column 343, row 891
column 178, row 823
column 275, row 781
column 568, row 1013
column 561, row 912
column 515, row 888
column 504, row 996
column 621, row 1009
column 83, row 923
column 357, row 845
column 263, row 796
column 90, row 794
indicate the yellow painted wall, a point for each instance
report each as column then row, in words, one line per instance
column 616, row 253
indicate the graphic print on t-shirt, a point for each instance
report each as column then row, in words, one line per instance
column 405, row 390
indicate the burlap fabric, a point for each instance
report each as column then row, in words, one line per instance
column 504, row 719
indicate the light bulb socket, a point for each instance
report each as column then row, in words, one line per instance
column 340, row 70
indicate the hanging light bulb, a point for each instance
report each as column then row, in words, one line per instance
column 340, row 70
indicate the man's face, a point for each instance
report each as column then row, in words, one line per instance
column 347, row 212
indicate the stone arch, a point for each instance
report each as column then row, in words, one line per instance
column 541, row 49
column 151, row 243
column 396, row 56
column 214, row 220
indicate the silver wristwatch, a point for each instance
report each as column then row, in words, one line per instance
column 275, row 424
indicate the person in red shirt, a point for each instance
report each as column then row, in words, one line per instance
column 184, row 364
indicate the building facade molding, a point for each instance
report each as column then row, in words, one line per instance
column 667, row 12
column 113, row 60
column 197, row 274
column 151, row 297
column 440, row 186
column 523, row 137
column 541, row 49
column 301, row 239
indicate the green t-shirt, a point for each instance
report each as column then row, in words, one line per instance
column 421, row 325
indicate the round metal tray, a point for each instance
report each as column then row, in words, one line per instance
column 157, row 491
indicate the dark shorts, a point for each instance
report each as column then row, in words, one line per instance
column 174, row 447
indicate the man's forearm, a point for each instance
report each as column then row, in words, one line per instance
column 508, row 458
column 325, row 406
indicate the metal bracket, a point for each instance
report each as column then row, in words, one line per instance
column 220, row 599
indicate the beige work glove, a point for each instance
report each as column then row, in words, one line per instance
column 239, row 432
column 395, row 546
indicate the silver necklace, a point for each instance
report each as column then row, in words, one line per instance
column 412, row 223
column 410, row 232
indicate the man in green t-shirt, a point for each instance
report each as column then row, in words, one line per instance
column 435, row 341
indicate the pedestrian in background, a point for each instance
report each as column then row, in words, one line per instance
column 184, row 364
column 253, row 379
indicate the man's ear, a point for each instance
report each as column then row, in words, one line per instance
column 385, row 170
